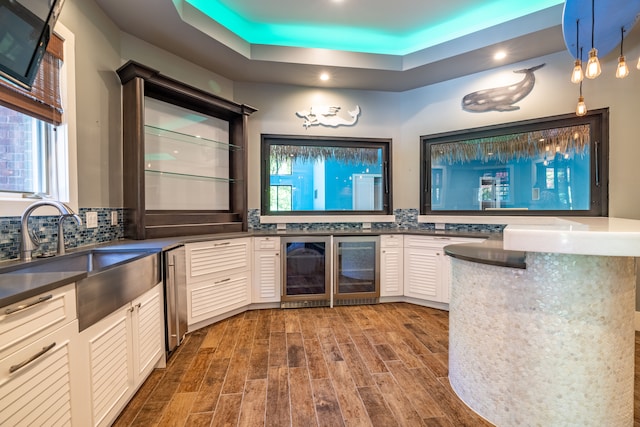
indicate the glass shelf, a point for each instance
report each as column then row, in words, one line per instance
column 190, row 139
column 190, row 176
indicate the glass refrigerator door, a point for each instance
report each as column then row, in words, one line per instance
column 305, row 270
column 356, row 267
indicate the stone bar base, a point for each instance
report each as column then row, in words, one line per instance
column 549, row 345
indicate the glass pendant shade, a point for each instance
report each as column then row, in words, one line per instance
column 581, row 108
column 623, row 70
column 593, row 66
column 577, row 75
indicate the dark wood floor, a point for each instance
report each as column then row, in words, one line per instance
column 376, row 365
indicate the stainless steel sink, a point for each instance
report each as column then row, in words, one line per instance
column 114, row 278
column 92, row 262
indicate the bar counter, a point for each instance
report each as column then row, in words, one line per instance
column 551, row 343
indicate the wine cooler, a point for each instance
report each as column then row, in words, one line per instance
column 356, row 270
column 316, row 273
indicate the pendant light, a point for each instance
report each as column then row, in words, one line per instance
column 593, row 65
column 581, row 108
column 577, row 75
column 623, row 70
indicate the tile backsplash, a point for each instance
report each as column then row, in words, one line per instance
column 405, row 219
column 46, row 229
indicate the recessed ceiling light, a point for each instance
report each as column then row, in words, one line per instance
column 324, row 77
column 500, row 55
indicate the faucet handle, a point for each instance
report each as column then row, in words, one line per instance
column 34, row 238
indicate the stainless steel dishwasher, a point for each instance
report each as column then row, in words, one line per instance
column 175, row 282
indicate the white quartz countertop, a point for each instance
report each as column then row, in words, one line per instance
column 577, row 235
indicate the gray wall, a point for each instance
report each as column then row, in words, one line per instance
column 101, row 48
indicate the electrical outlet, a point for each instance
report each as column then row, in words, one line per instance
column 440, row 226
column 92, row 219
column 114, row 218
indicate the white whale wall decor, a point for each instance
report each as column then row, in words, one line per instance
column 501, row 98
column 327, row 116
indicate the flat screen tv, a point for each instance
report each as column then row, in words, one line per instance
column 25, row 29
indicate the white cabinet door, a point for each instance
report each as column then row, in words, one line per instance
column 427, row 267
column 422, row 274
column 391, row 271
column 217, row 296
column 107, row 347
column 36, row 381
column 147, row 333
column 266, row 277
column 118, row 354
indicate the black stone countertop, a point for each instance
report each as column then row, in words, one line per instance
column 487, row 252
column 15, row 286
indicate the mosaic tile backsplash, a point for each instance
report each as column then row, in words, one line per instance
column 405, row 219
column 46, row 228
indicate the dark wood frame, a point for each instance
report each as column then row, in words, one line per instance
column 139, row 81
column 383, row 143
column 599, row 157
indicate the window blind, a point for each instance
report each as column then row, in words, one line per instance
column 43, row 101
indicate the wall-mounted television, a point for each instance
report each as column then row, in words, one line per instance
column 25, row 29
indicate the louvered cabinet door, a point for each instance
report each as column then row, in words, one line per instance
column 109, row 354
column 146, row 321
column 391, row 271
column 35, row 382
column 266, row 277
column 422, row 274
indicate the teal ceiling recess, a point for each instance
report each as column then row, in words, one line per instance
column 482, row 15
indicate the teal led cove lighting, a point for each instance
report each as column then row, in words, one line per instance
column 483, row 15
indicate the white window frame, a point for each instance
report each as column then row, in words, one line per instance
column 66, row 155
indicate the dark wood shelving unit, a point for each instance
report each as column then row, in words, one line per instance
column 140, row 82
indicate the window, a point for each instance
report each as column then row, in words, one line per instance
column 307, row 175
column 550, row 166
column 37, row 140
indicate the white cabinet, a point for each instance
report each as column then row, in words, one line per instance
column 147, row 333
column 218, row 278
column 118, row 353
column 391, row 265
column 37, row 350
column 427, row 268
column 266, row 270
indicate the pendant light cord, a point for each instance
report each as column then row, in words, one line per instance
column 578, row 38
column 593, row 20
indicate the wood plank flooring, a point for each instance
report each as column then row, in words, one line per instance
column 375, row 365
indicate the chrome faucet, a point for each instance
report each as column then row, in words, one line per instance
column 28, row 240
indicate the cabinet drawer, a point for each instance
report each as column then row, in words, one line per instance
column 218, row 296
column 266, row 243
column 35, row 381
column 24, row 322
column 426, row 242
column 220, row 256
column 391, row 241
